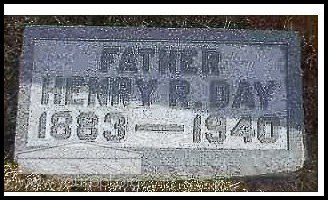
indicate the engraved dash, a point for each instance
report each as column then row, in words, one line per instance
column 160, row 127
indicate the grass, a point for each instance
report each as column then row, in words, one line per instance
column 307, row 27
column 16, row 182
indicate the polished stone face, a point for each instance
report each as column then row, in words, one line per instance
column 134, row 102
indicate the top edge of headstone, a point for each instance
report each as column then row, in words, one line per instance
column 197, row 33
column 155, row 27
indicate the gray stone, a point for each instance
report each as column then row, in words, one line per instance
column 158, row 102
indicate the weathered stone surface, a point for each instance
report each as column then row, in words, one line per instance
column 133, row 102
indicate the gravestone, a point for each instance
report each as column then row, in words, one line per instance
column 162, row 102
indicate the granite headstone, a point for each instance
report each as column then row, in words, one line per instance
column 163, row 102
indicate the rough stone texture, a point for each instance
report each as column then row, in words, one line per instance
column 74, row 47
